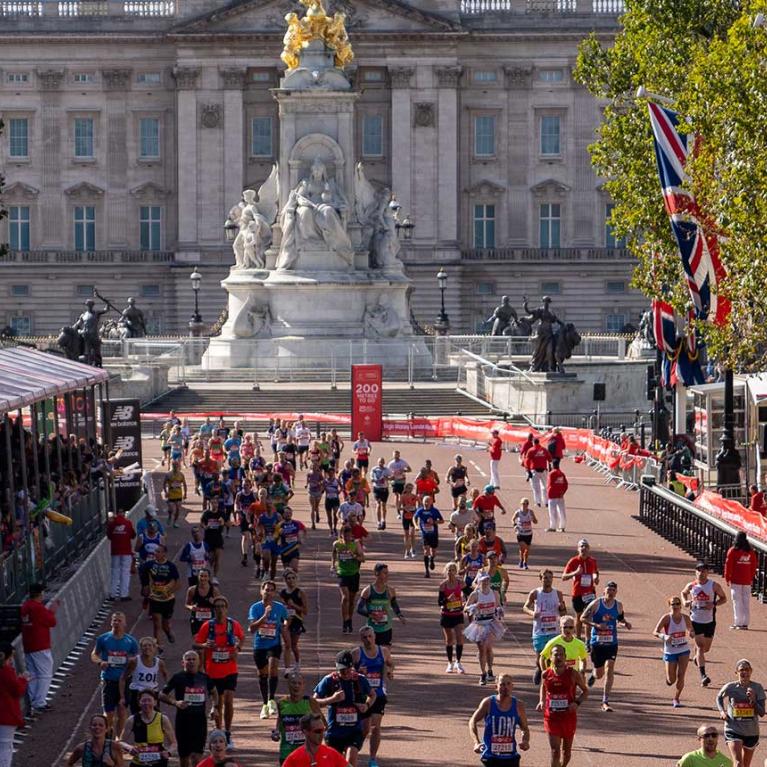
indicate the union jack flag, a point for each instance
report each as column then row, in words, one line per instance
column 664, row 326
column 698, row 243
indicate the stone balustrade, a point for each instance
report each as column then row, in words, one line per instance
column 555, row 7
column 86, row 257
column 546, row 254
column 67, row 9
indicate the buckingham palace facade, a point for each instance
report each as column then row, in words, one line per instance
column 132, row 127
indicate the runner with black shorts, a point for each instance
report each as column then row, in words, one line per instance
column 408, row 506
column 451, row 605
column 381, row 477
column 346, row 558
column 242, row 502
column 297, row 604
column 162, row 581
column 315, row 481
column 428, row 517
column 213, row 521
column 458, row 478
column 399, row 469
column 290, row 535
column 523, row 520
column 199, row 600
column 361, row 450
column 377, row 603
column 583, row 570
column 332, row 489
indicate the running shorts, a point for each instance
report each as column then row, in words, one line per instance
column 749, row 741
column 513, row 760
column 110, row 694
column 407, row 523
column 351, row 582
column 526, row 539
column 191, row 733
column 450, row 621
column 398, row 487
column 214, row 539
column 561, row 725
column 378, row 707
column 288, row 558
column 303, row 449
column 340, row 742
column 363, row 463
column 579, row 604
column 222, row 684
column 704, row 629
column 163, row 609
column 383, row 638
column 296, row 626
column 332, row 503
column 381, row 494
column 457, row 492
column 261, row 655
column 540, row 641
column 430, row 539
column 601, row 653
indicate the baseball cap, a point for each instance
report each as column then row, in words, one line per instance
column 344, row 660
column 492, row 555
column 583, row 542
column 483, row 577
column 379, row 567
column 489, row 488
column 611, row 584
column 701, row 566
column 151, row 511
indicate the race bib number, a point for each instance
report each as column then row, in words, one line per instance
column 117, row 658
column 742, row 711
column 454, row 604
column 347, row 715
column 294, row 735
column 213, row 524
column 678, row 639
column 585, row 580
column 149, row 754
column 558, row 703
column 605, row 636
column 292, row 538
column 374, row 678
column 203, row 615
column 221, row 656
column 194, row 695
column 588, row 598
column 379, row 616
column 267, row 630
column 502, row 744
column 549, row 621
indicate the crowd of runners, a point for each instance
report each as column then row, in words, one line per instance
column 153, row 714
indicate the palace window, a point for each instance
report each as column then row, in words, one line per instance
column 485, row 76
column 615, row 287
column 150, row 291
column 84, row 137
column 484, row 136
column 484, row 226
column 614, row 323
column 148, row 78
column 22, row 326
column 18, row 227
column 150, row 225
column 149, row 138
column 83, row 77
column 551, row 288
column 18, row 77
column 19, row 291
column 85, row 227
column 551, row 75
column 550, row 138
column 261, row 138
column 18, row 136
column 550, row 224
column 372, row 136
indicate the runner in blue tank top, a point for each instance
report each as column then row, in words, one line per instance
column 603, row 616
column 501, row 714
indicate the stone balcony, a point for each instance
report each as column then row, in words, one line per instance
column 546, row 254
column 18, row 257
column 543, row 7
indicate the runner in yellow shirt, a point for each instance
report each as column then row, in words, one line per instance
column 576, row 654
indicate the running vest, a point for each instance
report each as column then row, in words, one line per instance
column 175, row 486
column 605, row 628
column 203, row 605
column 89, row 759
column 346, row 562
column 499, row 740
column 676, row 640
column 703, row 599
column 197, row 558
column 149, row 546
column 453, row 603
column 473, row 565
column 332, row 489
column 373, row 669
column 148, row 740
column 145, row 677
column 485, row 606
column 379, row 613
column 294, row 597
column 547, row 604
column 524, row 522
column 291, row 734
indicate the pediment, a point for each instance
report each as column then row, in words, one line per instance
column 20, row 190
column 149, row 190
column 550, row 187
column 84, row 190
column 486, row 188
column 268, row 16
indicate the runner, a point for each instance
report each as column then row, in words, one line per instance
column 702, row 596
column 485, row 505
column 408, row 503
column 196, row 554
column 463, row 544
column 583, row 571
column 381, row 477
column 377, row 603
column 461, row 517
column 347, row 556
column 358, row 489
column 399, row 469
column 559, row 703
column 576, row 653
column 523, row 450
column 315, row 483
column 244, row 499
column 290, row 535
column 174, row 488
column 144, row 672
column 537, row 462
column 162, row 578
column 303, row 436
column 495, row 448
column 267, row 620
column 290, row 710
column 98, row 750
column 266, row 527
column 603, row 616
column 484, row 606
column 314, row 753
column 374, row 662
column 450, row 600
column 458, row 478
column 332, row 489
column 189, row 690
column 148, row 540
column 426, row 484
column 556, row 487
column 361, row 450
column 470, row 565
column 336, row 448
column 501, row 714
column 221, row 638
column 491, row 542
column 523, row 520
column 347, row 695
column 545, row 605
column 707, row 755
column 672, row 629
column 165, row 445
column 255, row 510
column 499, row 578
column 199, row 600
column 151, row 733
column 213, row 521
column 297, row 604
column 428, row 519
column 111, row 653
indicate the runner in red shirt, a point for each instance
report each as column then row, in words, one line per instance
column 425, row 484
column 739, row 570
column 484, row 505
column 556, row 444
column 537, row 460
column 559, row 703
column 526, row 445
column 583, row 570
column 314, row 753
column 495, row 448
column 221, row 639
column 121, row 533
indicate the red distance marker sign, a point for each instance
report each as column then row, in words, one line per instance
column 367, row 404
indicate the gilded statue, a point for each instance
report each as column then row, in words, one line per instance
column 316, row 25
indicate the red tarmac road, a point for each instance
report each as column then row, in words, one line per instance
column 426, row 720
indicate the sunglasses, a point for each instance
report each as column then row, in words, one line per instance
column 568, row 628
column 676, row 604
column 710, row 735
column 317, row 731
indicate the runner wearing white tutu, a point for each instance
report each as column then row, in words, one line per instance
column 484, row 606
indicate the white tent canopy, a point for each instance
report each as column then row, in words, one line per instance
column 28, row 375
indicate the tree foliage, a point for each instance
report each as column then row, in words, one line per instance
column 707, row 56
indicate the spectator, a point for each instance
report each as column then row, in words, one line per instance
column 121, row 534
column 37, row 620
column 556, row 444
column 12, row 689
column 739, row 571
column 556, row 487
column 675, row 485
column 707, row 754
column 757, row 501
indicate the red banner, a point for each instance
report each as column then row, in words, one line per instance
column 367, row 401
column 733, row 513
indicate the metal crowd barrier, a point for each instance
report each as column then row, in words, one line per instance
column 699, row 534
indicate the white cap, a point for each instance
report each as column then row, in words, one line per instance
column 151, row 511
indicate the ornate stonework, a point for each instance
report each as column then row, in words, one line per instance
column 424, row 115
column 518, row 76
column 233, row 78
column 550, row 188
column 448, row 77
column 400, row 76
column 210, row 115
column 186, row 77
column 84, row 191
column 116, row 79
column 486, row 189
column 50, row 79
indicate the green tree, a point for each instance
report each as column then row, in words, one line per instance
column 707, row 57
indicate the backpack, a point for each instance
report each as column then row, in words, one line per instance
column 230, row 638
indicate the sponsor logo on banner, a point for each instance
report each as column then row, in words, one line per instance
column 367, row 404
column 124, row 419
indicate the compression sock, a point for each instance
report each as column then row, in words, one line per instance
column 426, row 563
column 702, row 670
column 273, row 686
column 458, row 652
column 263, row 684
column 449, row 652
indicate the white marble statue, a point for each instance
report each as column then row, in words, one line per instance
column 315, row 212
column 376, row 211
column 381, row 320
column 252, row 319
column 254, row 219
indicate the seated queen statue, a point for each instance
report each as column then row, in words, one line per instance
column 314, row 213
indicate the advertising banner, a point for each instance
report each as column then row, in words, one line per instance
column 122, row 418
column 367, row 402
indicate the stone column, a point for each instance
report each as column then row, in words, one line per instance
column 233, row 79
column 53, row 233
column 401, row 143
column 448, row 79
column 580, row 232
column 186, row 122
column 117, row 210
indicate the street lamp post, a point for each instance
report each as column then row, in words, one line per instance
column 195, row 323
column 442, row 325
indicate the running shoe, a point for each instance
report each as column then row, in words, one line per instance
column 244, row 560
column 412, row 554
column 383, row 527
column 526, row 567
column 229, row 742
column 459, row 669
column 431, row 563
column 705, row 681
column 264, row 711
column 590, row 681
column 449, row 668
column 490, row 675
column 483, row 680
column 427, row 574
column 675, row 703
column 399, row 516
column 549, row 529
column 372, row 763
column 521, row 565
column 606, row 706
column 272, row 707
